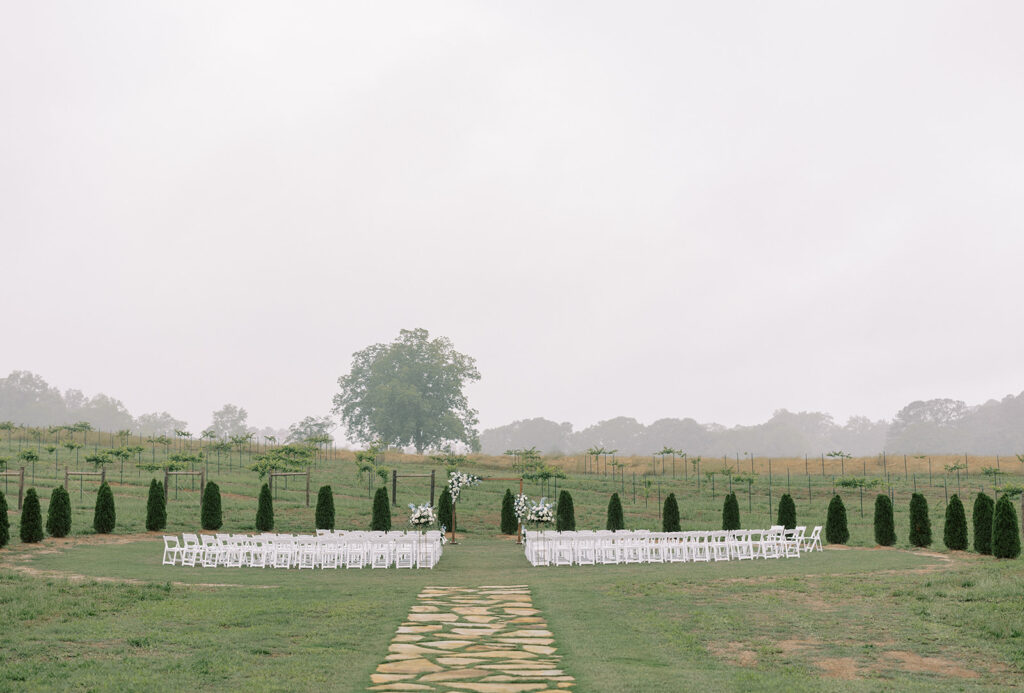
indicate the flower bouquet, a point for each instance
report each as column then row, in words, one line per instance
column 421, row 515
column 458, row 480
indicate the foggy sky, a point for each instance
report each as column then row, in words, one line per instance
column 646, row 209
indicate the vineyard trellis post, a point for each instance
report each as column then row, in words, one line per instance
column 102, row 474
column 20, row 474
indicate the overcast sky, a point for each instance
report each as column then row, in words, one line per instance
column 654, row 210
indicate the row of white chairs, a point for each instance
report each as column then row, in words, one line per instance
column 326, row 549
column 644, row 546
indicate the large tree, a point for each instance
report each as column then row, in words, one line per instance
column 409, row 392
column 229, row 420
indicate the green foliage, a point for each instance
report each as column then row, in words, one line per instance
column 787, row 512
column 730, row 512
column 1005, row 531
column 409, row 392
column 31, row 518
column 920, row 524
column 509, row 524
column 104, row 517
column 981, row 518
column 670, row 514
column 565, row 514
column 284, row 458
column 381, row 521
column 5, row 523
column 836, row 529
column 58, row 513
column 325, row 508
column 615, row 519
column 265, row 510
column 885, row 526
column 156, row 507
column 444, row 510
column 954, row 531
column 210, row 513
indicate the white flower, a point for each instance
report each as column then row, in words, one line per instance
column 540, row 512
column 422, row 515
column 520, row 506
column 456, row 480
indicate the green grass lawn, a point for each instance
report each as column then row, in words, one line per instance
column 843, row 619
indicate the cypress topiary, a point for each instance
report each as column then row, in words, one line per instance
column 5, row 523
column 324, row 508
column 885, row 527
column 615, row 519
column 31, row 518
column 156, row 508
column 209, row 512
column 265, row 510
column 984, row 506
column 105, row 517
column 920, row 524
column 670, row 514
column 1005, row 533
column 444, row 510
column 836, row 531
column 730, row 512
column 509, row 524
column 954, row 531
column 787, row 512
column 565, row 514
column 381, row 521
column 58, row 514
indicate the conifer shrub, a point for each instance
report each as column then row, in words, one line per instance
column 58, row 514
column 265, row 510
column 210, row 517
column 5, row 523
column 381, row 521
column 730, row 512
column 565, row 514
column 324, row 508
column 1005, row 531
column 105, row 517
column 981, row 517
column 444, row 510
column 954, row 531
column 885, row 526
column 509, row 523
column 615, row 519
column 670, row 515
column 787, row 512
column 156, row 507
column 836, row 529
column 31, row 518
column 920, row 524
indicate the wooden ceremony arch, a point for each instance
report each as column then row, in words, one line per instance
column 519, row 531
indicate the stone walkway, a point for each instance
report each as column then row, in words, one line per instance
column 488, row 639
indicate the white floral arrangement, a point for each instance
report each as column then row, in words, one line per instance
column 458, row 480
column 541, row 513
column 520, row 505
column 422, row 515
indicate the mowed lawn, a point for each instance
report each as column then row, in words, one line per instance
column 842, row 619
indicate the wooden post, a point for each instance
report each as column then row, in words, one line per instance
column 432, row 487
column 21, row 487
column 67, row 473
column 394, row 488
column 167, row 481
column 307, row 488
column 202, row 485
column 103, row 476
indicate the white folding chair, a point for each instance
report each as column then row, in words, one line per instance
column 284, row 551
column 172, row 550
column 656, row 548
column 814, row 539
column 699, row 547
column 211, row 551
column 380, row 553
column 405, row 552
column 191, row 549
column 586, row 550
column 792, row 539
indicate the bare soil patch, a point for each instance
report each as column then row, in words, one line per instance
column 734, row 653
column 915, row 663
column 839, row 667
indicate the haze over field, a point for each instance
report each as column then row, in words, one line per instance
column 708, row 211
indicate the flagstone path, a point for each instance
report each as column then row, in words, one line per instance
column 488, row 639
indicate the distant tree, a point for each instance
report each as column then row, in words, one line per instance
column 381, row 521
column 670, row 515
column 509, row 524
column 158, row 424
column 58, row 513
column 981, row 518
column 31, row 518
column 885, row 529
column 311, row 428
column 230, row 420
column 615, row 520
column 156, row 508
column 444, row 510
column 787, row 512
column 565, row 517
column 836, row 529
column 5, row 523
column 1005, row 531
column 954, row 531
column 409, row 392
column 325, row 508
column 920, row 524
column 104, row 518
column 265, row 510
column 210, row 512
column 730, row 513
